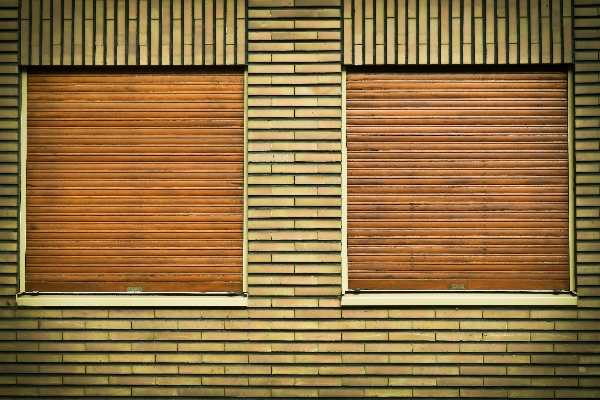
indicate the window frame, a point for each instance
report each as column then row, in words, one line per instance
column 463, row 298
column 113, row 299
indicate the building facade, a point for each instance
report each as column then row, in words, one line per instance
column 295, row 329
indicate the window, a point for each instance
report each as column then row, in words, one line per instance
column 457, row 183
column 134, row 186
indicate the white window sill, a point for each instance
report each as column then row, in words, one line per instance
column 458, row 299
column 130, row 300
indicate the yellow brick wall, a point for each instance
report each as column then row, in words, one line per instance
column 294, row 339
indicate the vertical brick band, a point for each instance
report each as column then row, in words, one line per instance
column 294, row 111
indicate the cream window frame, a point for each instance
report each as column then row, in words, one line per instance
column 456, row 298
column 133, row 299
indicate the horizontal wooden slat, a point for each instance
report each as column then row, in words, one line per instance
column 457, row 179
column 135, row 180
column 228, row 284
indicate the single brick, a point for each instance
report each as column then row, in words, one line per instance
column 389, row 324
column 577, row 393
column 388, row 347
column 268, row 358
column 62, row 369
column 62, row 324
column 505, row 314
column 529, row 347
column 412, row 381
column 483, row 347
column 39, row 380
column 412, row 358
column 506, row 359
column 317, row 358
column 294, row 392
column 271, row 336
column 364, row 336
column 458, row 313
column 247, row 369
column 321, row 336
column 225, row 381
column 318, row 381
column 555, row 381
column 55, row 346
column 530, row 370
column 458, row 381
column 85, row 358
column 435, row 370
column 459, row 359
column 434, row 325
column 482, row 370
column 39, row 358
column 506, row 336
column 225, row 358
column 130, row 335
column 435, row 392
column 107, row 391
column 130, row 380
column 435, row 347
column 61, row 392
column 198, row 369
column 388, row 392
column 341, row 392
column 84, row 380
column 243, row 392
column 131, row 314
column 298, row 347
column 86, row 336
column 483, row 325
column 577, row 370
column 507, row 381
column 154, row 369
column 531, row 325
column 248, row 347
column 458, row 336
column 553, row 336
column 483, row 393
column 412, row 336
column 553, row 314
column 342, row 370
column 201, row 392
column 178, row 358
column 554, row 359
column 365, row 381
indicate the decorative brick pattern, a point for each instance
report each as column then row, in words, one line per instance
column 457, row 32
column 295, row 340
column 133, row 32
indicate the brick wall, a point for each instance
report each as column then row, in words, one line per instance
column 294, row 339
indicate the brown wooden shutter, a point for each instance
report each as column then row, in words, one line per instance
column 135, row 179
column 457, row 181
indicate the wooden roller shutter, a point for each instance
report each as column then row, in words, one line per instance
column 457, row 181
column 135, row 180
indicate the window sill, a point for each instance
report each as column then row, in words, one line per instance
column 458, row 299
column 130, row 300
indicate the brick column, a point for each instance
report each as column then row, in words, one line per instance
column 294, row 141
column 9, row 151
column 587, row 151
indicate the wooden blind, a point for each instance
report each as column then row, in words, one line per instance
column 135, row 181
column 457, row 181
